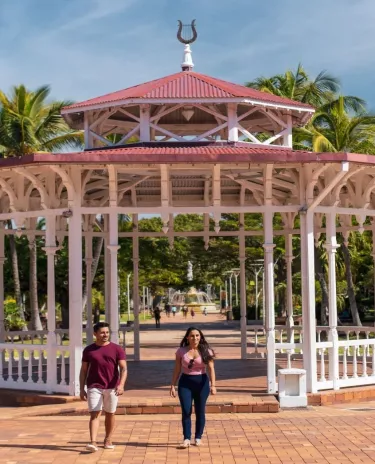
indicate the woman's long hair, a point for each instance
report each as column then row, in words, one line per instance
column 207, row 353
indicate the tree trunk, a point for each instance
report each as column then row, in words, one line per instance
column 34, row 306
column 350, row 285
column 319, row 272
column 16, row 274
column 94, row 266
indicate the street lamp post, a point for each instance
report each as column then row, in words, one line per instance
column 259, row 267
column 236, row 273
column 230, row 291
column 128, row 293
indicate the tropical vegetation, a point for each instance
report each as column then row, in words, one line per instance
column 30, row 122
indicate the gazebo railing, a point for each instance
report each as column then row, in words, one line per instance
column 355, row 355
column 25, row 367
column 353, row 352
column 29, row 362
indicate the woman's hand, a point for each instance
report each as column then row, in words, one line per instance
column 172, row 391
column 213, row 390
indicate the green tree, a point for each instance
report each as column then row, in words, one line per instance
column 30, row 123
column 297, row 85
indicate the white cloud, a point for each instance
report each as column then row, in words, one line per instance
column 97, row 10
column 92, row 47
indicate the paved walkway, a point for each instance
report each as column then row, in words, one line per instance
column 318, row 435
column 158, row 347
column 321, row 435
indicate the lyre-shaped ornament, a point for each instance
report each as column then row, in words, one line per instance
column 187, row 33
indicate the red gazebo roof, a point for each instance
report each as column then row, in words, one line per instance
column 184, row 86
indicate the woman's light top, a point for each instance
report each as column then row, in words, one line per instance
column 189, row 365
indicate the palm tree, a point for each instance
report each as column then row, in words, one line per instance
column 298, row 86
column 341, row 125
column 30, row 123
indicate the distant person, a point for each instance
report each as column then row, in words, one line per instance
column 194, row 358
column 157, row 316
column 168, row 310
column 205, row 311
column 174, row 309
column 192, row 313
column 185, row 311
column 104, row 373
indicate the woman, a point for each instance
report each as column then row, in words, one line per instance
column 193, row 358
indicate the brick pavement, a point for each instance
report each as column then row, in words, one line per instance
column 321, row 435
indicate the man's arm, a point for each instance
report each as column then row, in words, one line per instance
column 82, row 379
column 123, row 375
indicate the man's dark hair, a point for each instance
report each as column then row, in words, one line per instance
column 100, row 325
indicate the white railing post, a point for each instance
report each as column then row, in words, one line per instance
column 331, row 247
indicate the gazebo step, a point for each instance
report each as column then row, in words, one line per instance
column 344, row 395
column 67, row 405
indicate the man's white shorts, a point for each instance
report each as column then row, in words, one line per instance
column 99, row 399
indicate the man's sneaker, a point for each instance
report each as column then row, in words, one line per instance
column 198, row 442
column 92, row 448
column 185, row 444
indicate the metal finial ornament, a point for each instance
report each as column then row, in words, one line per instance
column 187, row 33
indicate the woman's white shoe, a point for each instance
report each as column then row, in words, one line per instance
column 198, row 442
column 185, row 444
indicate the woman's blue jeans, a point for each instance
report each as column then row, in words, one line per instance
column 193, row 388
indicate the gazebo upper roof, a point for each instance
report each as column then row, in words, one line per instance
column 186, row 86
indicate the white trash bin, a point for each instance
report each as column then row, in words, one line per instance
column 292, row 388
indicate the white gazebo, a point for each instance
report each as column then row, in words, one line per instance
column 197, row 151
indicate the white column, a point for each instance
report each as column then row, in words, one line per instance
column 232, row 122
column 144, row 129
column 137, row 351
column 113, row 300
column 288, row 137
column 373, row 256
column 75, row 289
column 86, row 127
column 289, row 286
column 2, row 261
column 308, row 299
column 331, row 247
column 269, row 297
column 88, row 262
column 107, row 269
column 243, row 293
column 50, row 250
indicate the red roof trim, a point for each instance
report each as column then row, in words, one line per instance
column 199, row 155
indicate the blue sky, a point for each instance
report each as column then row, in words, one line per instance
column 86, row 48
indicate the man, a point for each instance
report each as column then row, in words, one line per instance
column 157, row 316
column 104, row 371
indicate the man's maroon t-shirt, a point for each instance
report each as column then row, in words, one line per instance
column 103, row 365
